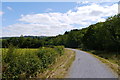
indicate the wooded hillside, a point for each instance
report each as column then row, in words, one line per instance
column 99, row 36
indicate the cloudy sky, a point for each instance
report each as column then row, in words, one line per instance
column 52, row 18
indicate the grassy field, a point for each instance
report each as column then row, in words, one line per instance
column 20, row 50
column 31, row 63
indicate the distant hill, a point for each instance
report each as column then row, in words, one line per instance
column 25, row 37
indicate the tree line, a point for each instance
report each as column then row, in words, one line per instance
column 99, row 36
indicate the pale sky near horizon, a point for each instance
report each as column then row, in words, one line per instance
column 52, row 18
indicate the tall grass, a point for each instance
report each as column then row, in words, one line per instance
column 26, row 63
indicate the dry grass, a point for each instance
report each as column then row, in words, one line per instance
column 61, row 66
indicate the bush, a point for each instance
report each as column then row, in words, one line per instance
column 26, row 63
column 47, row 56
column 59, row 49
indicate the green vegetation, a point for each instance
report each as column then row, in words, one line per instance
column 59, row 49
column 111, row 56
column 23, row 42
column 103, row 38
column 61, row 66
column 26, row 63
column 112, row 60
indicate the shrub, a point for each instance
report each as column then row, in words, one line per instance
column 47, row 56
column 59, row 49
column 27, row 63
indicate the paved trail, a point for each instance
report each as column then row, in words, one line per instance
column 87, row 66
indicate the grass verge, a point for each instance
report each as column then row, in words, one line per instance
column 61, row 66
column 111, row 63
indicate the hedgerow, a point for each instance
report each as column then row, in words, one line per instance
column 28, row 63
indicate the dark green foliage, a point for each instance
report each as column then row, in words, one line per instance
column 23, row 42
column 99, row 36
column 104, row 36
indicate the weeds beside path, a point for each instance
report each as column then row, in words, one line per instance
column 108, row 59
column 61, row 66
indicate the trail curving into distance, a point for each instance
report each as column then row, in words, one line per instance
column 87, row 66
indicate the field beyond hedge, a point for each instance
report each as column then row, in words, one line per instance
column 28, row 63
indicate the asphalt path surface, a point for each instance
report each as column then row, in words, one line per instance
column 86, row 65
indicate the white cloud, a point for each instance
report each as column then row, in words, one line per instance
column 34, row 29
column 48, row 10
column 82, row 2
column 9, row 8
column 1, row 13
column 82, row 16
column 119, row 7
column 51, row 24
column 109, row 0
